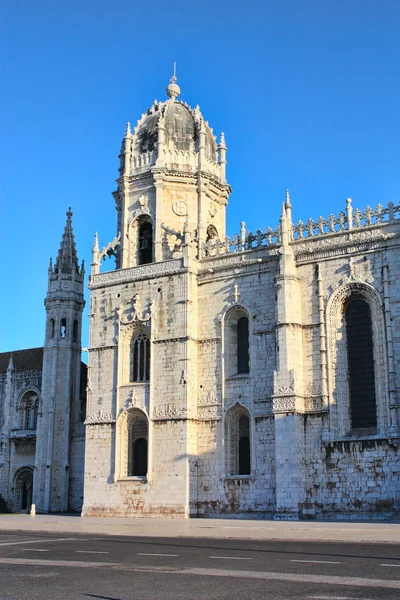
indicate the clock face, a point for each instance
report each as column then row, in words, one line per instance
column 180, row 208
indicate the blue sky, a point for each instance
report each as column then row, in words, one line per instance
column 307, row 93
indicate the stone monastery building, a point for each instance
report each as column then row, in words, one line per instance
column 252, row 375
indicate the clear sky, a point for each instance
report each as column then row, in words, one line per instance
column 306, row 91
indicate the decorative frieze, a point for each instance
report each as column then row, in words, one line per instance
column 160, row 269
column 100, row 418
column 167, row 412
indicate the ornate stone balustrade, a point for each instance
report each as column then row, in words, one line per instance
column 147, row 159
column 242, row 242
column 346, row 221
column 185, row 159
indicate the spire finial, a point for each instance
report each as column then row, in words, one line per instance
column 288, row 203
column 96, row 243
column 173, row 89
column 67, row 260
column 128, row 131
column 222, row 142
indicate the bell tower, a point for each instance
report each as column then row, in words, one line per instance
column 60, row 405
column 172, row 173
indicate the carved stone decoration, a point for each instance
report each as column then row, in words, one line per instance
column 130, row 402
column 354, row 276
column 206, row 413
column 208, row 400
column 284, row 392
column 312, row 404
column 167, row 412
column 312, row 390
column 236, row 293
column 208, row 408
column 143, row 210
column 109, row 250
column 346, row 242
column 28, row 375
column 212, row 210
column 172, row 241
column 25, row 446
column 285, row 404
column 134, row 312
column 136, row 273
column 180, row 208
column 100, row 418
column 143, row 200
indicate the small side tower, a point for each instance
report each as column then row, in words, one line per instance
column 60, row 408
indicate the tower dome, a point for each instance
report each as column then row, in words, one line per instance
column 171, row 132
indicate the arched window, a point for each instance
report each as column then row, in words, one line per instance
column 237, row 434
column 357, row 361
column 237, row 346
column 63, row 328
column 212, row 233
column 29, row 407
column 145, row 233
column 137, row 444
column 75, row 331
column 242, row 341
column 244, row 445
column 51, row 328
column 140, row 358
column 360, row 364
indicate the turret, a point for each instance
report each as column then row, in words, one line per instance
column 171, row 170
column 60, row 403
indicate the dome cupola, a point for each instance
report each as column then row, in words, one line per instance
column 174, row 135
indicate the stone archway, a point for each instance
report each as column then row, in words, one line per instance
column 23, row 485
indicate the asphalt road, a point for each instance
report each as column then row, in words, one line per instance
column 59, row 567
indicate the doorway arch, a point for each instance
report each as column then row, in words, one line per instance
column 23, row 485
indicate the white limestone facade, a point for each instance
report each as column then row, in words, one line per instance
column 255, row 375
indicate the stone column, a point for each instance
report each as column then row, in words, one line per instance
column 288, row 385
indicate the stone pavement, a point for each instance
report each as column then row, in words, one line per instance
column 323, row 531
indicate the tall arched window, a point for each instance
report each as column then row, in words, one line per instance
column 63, row 328
column 51, row 328
column 237, row 434
column 75, row 331
column 237, row 342
column 357, row 361
column 242, row 341
column 145, row 233
column 360, row 362
column 29, row 407
column 138, row 434
column 140, row 358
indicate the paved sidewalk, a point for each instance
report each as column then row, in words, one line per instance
column 378, row 532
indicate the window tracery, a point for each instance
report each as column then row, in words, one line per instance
column 145, row 242
column 133, row 431
column 237, row 438
column 237, row 343
column 140, row 358
column 29, row 407
column 355, row 326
